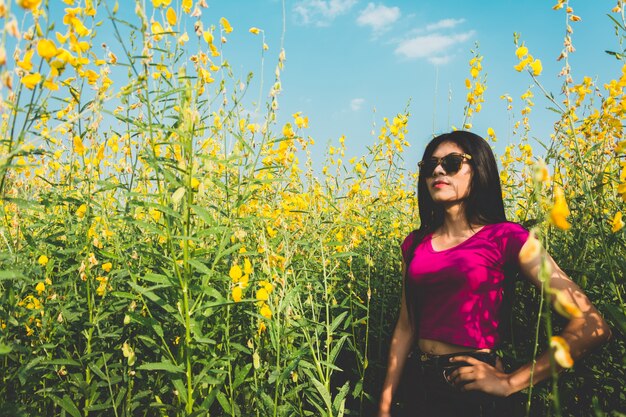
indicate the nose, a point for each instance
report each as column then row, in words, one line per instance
column 438, row 170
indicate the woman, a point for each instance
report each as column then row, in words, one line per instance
column 454, row 270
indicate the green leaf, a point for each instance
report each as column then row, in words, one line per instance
column 321, row 389
column 199, row 266
column 67, row 404
column 617, row 314
column 179, row 384
column 166, row 366
column 337, row 321
column 617, row 55
column 164, row 280
column 240, row 375
column 223, row 402
column 5, row 349
column 66, row 362
column 340, row 399
column 617, row 23
column 11, row 275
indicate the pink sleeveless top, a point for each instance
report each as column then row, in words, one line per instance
column 458, row 291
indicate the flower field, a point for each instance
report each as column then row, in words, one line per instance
column 164, row 253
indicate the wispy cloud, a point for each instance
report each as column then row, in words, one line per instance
column 378, row 17
column 435, row 42
column 356, row 103
column 439, row 60
column 444, row 24
column 321, row 12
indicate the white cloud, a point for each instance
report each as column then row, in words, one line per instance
column 378, row 17
column 444, row 24
column 434, row 47
column 321, row 12
column 439, row 60
column 356, row 103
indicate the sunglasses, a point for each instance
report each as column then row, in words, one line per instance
column 451, row 163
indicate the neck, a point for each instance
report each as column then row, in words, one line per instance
column 455, row 222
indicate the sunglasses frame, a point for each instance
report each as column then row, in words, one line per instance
column 440, row 161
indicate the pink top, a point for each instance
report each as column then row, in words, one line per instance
column 458, row 291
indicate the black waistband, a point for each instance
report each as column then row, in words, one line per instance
column 444, row 360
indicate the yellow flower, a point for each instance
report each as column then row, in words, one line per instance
column 40, row 288
column 51, row 85
column 102, row 287
column 565, row 307
column 43, row 260
column 301, row 122
column 268, row 286
column 562, row 354
column 226, row 25
column 195, row 183
column 107, row 266
column 92, row 259
column 247, row 266
column 237, row 293
column 187, row 6
column 261, row 327
column 522, row 64
column 288, row 131
column 536, row 67
column 617, row 223
column 46, row 49
column 129, row 353
column 170, row 15
column 560, row 211
column 262, row 294
column 28, row 4
column 521, row 52
column 31, row 80
column 157, row 30
column 266, row 311
column 254, row 31
column 80, row 211
column 159, row 3
column 79, row 148
column 235, row 273
column 621, row 189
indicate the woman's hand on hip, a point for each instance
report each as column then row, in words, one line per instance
column 480, row 376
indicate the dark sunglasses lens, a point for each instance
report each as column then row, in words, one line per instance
column 452, row 163
column 429, row 165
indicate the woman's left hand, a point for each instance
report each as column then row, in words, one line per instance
column 480, row 376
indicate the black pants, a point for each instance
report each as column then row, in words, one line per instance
column 427, row 393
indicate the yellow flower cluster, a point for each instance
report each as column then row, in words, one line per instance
column 527, row 61
column 475, row 89
column 240, row 279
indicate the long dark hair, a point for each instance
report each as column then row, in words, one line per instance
column 482, row 206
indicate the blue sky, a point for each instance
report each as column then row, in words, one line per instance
column 352, row 62
column 346, row 58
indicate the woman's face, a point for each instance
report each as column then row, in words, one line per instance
column 449, row 187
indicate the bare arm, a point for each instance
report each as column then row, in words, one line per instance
column 401, row 343
column 582, row 334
